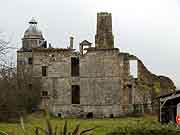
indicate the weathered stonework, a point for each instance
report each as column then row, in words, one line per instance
column 104, row 37
column 106, row 87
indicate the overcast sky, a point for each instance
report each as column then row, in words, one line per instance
column 149, row 29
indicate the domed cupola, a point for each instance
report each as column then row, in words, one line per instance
column 33, row 31
column 33, row 37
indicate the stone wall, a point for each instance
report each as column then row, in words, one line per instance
column 104, row 37
column 100, row 80
column 160, row 84
column 58, row 80
column 147, row 86
column 106, row 87
column 23, row 66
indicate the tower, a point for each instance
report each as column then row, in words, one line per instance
column 104, row 37
column 32, row 37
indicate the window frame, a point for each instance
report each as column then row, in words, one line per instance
column 44, row 95
column 44, row 70
column 75, row 94
column 75, row 67
column 30, row 61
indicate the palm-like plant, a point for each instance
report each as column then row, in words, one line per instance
column 63, row 131
column 50, row 130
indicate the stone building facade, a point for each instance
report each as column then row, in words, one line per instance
column 92, row 82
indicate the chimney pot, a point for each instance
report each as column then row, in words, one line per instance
column 71, row 42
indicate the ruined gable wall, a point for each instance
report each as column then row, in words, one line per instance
column 128, row 92
column 163, row 83
column 150, row 80
column 147, row 86
column 152, row 85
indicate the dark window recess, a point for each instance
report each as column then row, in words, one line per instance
column 111, row 115
column 30, row 61
column 74, row 66
column 59, row 115
column 44, row 93
column 89, row 115
column 75, row 94
column 44, row 70
column 44, row 44
column 129, row 86
column 30, row 86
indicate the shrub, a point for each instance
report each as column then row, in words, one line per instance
column 142, row 128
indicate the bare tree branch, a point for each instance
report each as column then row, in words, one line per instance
column 5, row 48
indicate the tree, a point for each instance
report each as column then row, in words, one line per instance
column 18, row 94
column 5, row 48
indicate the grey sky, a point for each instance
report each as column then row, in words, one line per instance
column 149, row 29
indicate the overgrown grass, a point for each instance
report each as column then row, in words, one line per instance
column 108, row 125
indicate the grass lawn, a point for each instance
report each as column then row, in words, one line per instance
column 107, row 124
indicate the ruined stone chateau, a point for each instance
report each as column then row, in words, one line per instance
column 95, row 81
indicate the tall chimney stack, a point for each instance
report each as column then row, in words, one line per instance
column 71, row 42
column 104, row 36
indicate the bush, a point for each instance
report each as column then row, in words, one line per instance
column 142, row 128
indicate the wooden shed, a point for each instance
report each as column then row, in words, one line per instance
column 169, row 107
